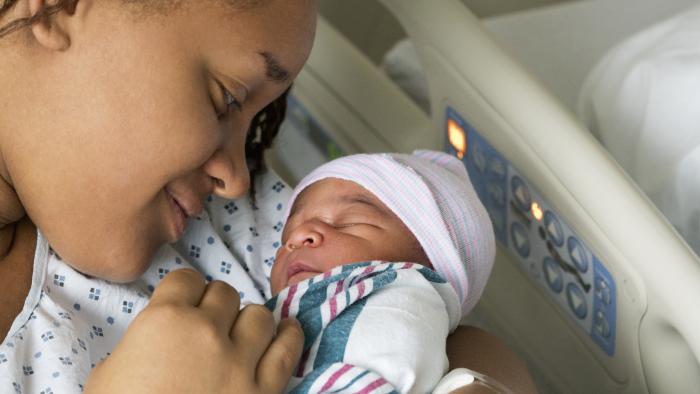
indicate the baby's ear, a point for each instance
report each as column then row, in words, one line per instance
column 54, row 27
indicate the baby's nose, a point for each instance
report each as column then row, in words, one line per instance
column 304, row 235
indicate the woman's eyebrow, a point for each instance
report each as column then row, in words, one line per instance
column 273, row 69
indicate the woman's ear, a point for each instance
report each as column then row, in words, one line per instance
column 51, row 30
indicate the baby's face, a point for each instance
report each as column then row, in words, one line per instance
column 335, row 222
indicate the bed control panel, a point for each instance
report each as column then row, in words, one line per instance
column 548, row 251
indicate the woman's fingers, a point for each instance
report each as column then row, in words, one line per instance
column 184, row 286
column 281, row 358
column 265, row 361
column 221, row 303
column 253, row 332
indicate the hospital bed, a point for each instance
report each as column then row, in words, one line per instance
column 591, row 284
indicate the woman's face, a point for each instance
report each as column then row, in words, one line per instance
column 141, row 118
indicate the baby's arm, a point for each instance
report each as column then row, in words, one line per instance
column 401, row 335
column 380, row 327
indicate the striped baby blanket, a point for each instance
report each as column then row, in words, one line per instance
column 372, row 327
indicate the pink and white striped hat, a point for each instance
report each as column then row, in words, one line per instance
column 431, row 193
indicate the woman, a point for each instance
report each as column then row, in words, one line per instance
column 109, row 109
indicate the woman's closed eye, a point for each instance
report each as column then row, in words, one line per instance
column 228, row 100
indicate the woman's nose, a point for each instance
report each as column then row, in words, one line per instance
column 305, row 235
column 229, row 171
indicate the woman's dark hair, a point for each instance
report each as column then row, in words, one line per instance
column 263, row 128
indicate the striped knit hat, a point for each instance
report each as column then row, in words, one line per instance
column 432, row 195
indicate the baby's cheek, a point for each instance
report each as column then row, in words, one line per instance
column 277, row 280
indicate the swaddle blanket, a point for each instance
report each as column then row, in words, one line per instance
column 70, row 321
column 371, row 327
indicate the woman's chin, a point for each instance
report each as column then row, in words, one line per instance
column 118, row 268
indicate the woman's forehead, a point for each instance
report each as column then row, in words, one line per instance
column 277, row 34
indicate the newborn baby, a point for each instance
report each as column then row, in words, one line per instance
column 381, row 257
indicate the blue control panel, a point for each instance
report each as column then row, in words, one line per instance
column 547, row 250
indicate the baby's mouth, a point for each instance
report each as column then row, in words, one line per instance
column 298, row 272
column 300, row 277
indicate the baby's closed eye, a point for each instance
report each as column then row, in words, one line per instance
column 345, row 225
column 353, row 224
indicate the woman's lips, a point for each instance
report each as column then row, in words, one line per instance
column 190, row 200
column 179, row 218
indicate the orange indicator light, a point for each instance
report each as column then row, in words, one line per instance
column 457, row 137
column 536, row 211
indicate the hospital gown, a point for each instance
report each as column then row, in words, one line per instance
column 71, row 321
column 371, row 327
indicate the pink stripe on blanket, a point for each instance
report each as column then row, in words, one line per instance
column 332, row 302
column 288, row 301
column 407, row 265
column 336, row 375
column 360, row 290
column 372, row 386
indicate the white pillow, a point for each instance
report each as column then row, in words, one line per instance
column 642, row 101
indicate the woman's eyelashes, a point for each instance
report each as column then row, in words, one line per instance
column 229, row 101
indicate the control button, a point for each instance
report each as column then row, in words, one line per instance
column 578, row 254
column 479, row 158
column 522, row 194
column 520, row 238
column 602, row 291
column 553, row 274
column 497, row 194
column 577, row 300
column 551, row 223
column 497, row 168
column 601, row 325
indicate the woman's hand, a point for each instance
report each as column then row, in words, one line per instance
column 191, row 338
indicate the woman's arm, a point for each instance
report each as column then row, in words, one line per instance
column 475, row 349
column 191, row 338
